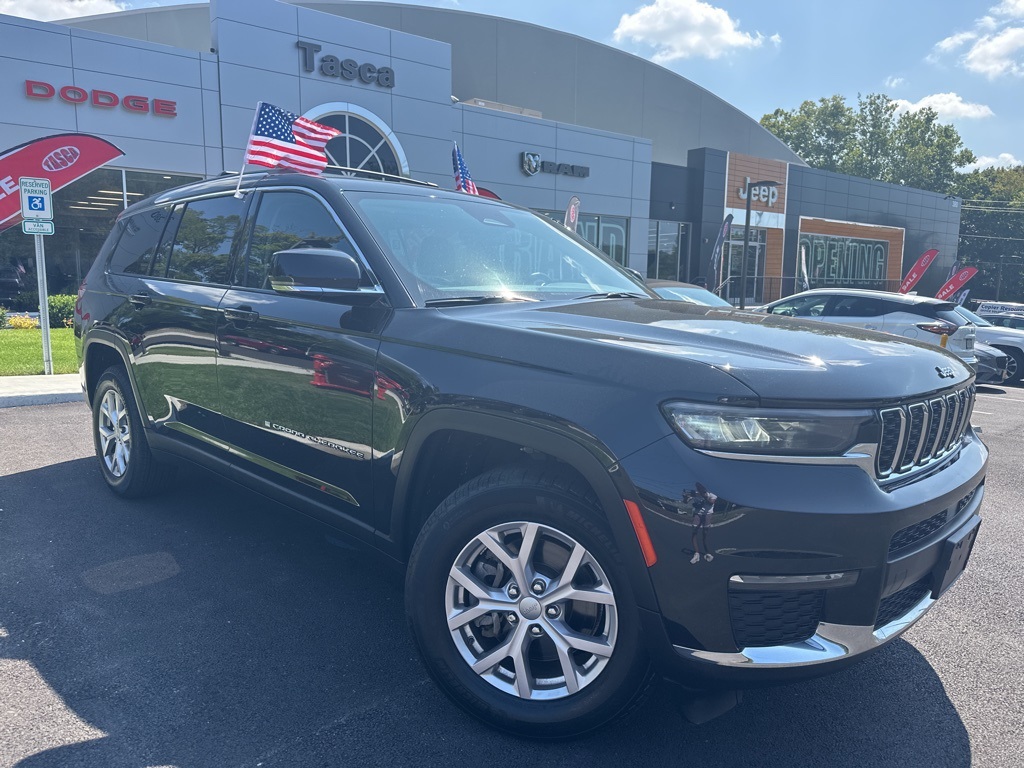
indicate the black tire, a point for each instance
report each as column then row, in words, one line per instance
column 1016, row 362
column 137, row 473
column 513, row 496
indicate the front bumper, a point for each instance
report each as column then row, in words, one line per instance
column 878, row 548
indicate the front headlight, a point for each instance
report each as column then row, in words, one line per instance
column 769, row 430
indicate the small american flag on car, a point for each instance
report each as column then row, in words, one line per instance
column 282, row 139
column 463, row 181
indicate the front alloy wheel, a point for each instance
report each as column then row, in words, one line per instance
column 531, row 611
column 520, row 606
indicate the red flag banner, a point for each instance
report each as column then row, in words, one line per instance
column 62, row 158
column 917, row 271
column 958, row 281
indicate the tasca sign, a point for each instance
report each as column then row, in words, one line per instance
column 63, row 158
column 346, row 69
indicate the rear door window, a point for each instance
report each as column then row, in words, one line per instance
column 202, row 244
column 856, row 306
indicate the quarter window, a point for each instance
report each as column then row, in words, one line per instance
column 202, row 245
column 287, row 221
column 140, row 236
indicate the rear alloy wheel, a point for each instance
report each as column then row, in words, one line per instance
column 519, row 605
column 126, row 462
column 1014, row 365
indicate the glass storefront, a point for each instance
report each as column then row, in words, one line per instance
column 668, row 251
column 83, row 214
column 733, row 259
column 610, row 234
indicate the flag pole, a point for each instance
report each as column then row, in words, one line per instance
column 255, row 117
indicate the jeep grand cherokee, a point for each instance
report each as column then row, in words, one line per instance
column 589, row 485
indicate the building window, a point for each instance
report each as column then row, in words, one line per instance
column 668, row 251
column 366, row 142
column 83, row 215
column 609, row 234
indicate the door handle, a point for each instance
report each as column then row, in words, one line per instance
column 140, row 299
column 243, row 314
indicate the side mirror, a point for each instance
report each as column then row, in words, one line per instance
column 314, row 272
column 636, row 273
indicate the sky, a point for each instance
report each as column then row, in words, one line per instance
column 965, row 59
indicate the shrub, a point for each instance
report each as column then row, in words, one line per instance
column 62, row 310
column 21, row 322
column 26, row 301
column 3, row 317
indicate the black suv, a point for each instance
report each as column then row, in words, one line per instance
column 588, row 483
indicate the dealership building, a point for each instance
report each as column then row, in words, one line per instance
column 540, row 115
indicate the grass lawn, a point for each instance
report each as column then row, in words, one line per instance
column 21, row 351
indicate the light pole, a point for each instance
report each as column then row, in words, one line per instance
column 746, row 238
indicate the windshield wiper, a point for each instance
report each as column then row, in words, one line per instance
column 456, row 301
column 613, row 295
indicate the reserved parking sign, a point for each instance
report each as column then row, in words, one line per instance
column 36, row 201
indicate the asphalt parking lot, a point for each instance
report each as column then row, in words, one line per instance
column 212, row 627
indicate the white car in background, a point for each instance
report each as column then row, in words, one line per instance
column 912, row 317
column 1004, row 332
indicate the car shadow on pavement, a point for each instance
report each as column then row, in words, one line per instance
column 212, row 627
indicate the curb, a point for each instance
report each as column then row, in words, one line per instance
column 48, row 398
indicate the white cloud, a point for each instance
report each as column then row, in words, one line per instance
column 47, row 10
column 1014, row 8
column 683, row 29
column 1004, row 160
column 953, row 42
column 994, row 47
column 997, row 55
column 948, row 106
column 894, row 82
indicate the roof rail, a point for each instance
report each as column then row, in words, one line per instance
column 341, row 170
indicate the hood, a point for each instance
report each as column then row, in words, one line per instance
column 663, row 345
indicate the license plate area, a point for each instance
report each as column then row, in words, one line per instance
column 956, row 550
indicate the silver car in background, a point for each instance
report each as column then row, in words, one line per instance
column 1005, row 334
column 912, row 317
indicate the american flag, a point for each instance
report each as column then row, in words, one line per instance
column 463, row 181
column 282, row 139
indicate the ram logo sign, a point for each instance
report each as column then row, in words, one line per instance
column 531, row 163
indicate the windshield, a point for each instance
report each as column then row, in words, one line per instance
column 446, row 249
column 978, row 321
column 690, row 295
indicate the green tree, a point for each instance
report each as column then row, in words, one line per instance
column 992, row 231
column 875, row 141
column 821, row 132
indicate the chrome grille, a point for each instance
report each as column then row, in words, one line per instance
column 917, row 434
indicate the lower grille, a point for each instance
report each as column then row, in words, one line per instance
column 774, row 618
column 899, row 603
column 907, row 537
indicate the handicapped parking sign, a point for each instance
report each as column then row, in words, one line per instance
column 36, row 201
